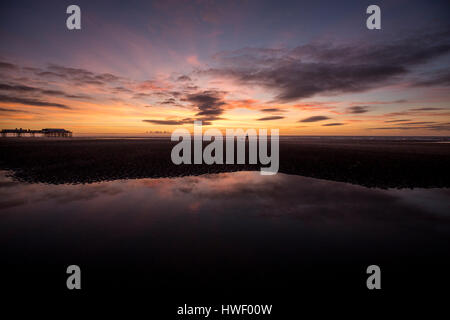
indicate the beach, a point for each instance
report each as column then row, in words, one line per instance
column 133, row 221
column 372, row 162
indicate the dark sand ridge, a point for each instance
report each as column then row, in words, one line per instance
column 374, row 163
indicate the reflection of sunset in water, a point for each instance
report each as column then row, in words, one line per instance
column 232, row 229
column 238, row 194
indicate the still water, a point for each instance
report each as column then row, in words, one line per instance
column 229, row 229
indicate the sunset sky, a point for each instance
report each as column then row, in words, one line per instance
column 305, row 67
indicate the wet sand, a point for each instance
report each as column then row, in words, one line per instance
column 382, row 163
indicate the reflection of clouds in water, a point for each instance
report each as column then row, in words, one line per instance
column 15, row 193
column 238, row 194
column 307, row 198
column 214, row 186
column 86, row 192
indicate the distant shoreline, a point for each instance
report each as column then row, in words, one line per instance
column 307, row 136
column 442, row 139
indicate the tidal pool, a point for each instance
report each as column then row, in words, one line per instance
column 222, row 230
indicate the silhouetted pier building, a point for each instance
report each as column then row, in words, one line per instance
column 48, row 132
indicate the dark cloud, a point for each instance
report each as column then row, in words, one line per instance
column 7, row 110
column 166, row 122
column 27, row 89
column 270, row 118
column 32, row 102
column 79, row 96
column 175, row 93
column 323, row 68
column 272, row 110
column 333, row 124
column 358, row 109
column 12, row 110
column 53, row 92
column 122, row 90
column 20, row 88
column 209, row 103
column 427, row 109
column 168, row 101
column 314, row 119
column 184, row 78
column 76, row 75
column 7, row 66
column 419, row 122
column 400, row 120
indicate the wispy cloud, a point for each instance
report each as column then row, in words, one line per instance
column 27, row 89
column 436, row 78
column 10, row 110
column 166, row 122
column 314, row 119
column 270, row 118
column 398, row 120
column 358, row 109
column 32, row 102
column 428, row 109
column 8, row 66
column 272, row 110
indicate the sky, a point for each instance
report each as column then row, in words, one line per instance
column 304, row 67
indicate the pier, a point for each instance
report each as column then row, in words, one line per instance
column 48, row 132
